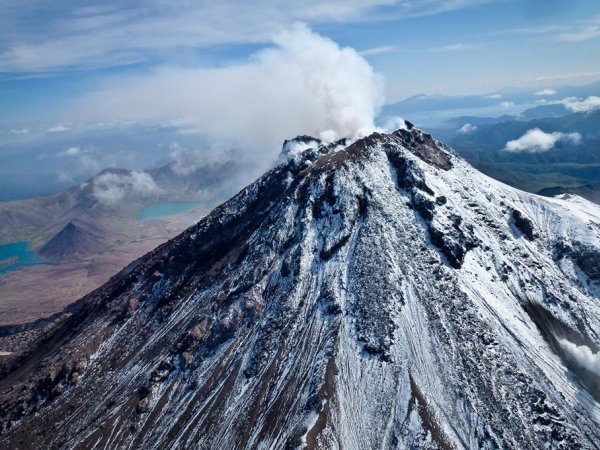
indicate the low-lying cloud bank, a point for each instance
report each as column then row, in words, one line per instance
column 467, row 128
column 304, row 84
column 589, row 104
column 112, row 187
column 538, row 141
column 545, row 92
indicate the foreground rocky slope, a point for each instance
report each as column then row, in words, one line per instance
column 372, row 294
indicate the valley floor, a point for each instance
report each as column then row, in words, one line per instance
column 39, row 291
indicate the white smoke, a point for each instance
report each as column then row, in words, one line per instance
column 72, row 151
column 305, row 84
column 111, row 187
column 393, row 123
column 582, row 355
column 293, row 148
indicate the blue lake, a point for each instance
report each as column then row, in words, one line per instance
column 156, row 210
column 16, row 255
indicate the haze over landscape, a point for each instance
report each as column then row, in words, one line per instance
column 212, row 212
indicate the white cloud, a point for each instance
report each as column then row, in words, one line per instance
column 306, row 84
column 467, row 128
column 585, row 34
column 64, row 177
column 116, row 33
column 574, row 104
column 112, row 187
column 379, row 50
column 537, row 141
column 19, row 131
column 507, row 105
column 88, row 164
column 454, row 48
column 532, row 30
column 494, row 96
column 58, row 129
column 582, row 355
column 567, row 76
column 545, row 92
column 72, row 151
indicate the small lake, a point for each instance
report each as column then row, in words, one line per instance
column 16, row 255
column 156, row 210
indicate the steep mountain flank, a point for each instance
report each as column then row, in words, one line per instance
column 377, row 293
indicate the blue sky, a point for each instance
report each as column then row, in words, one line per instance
column 53, row 55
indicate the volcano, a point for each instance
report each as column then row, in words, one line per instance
column 367, row 293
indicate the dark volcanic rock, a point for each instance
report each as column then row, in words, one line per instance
column 588, row 260
column 425, row 147
column 523, row 224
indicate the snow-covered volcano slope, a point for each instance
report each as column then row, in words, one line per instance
column 374, row 294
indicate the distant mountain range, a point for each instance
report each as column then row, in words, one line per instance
column 420, row 103
column 538, row 112
column 113, row 198
column 566, row 164
column 42, row 163
column 92, row 230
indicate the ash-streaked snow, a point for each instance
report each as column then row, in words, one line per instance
column 380, row 293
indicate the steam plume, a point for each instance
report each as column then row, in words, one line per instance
column 305, row 84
